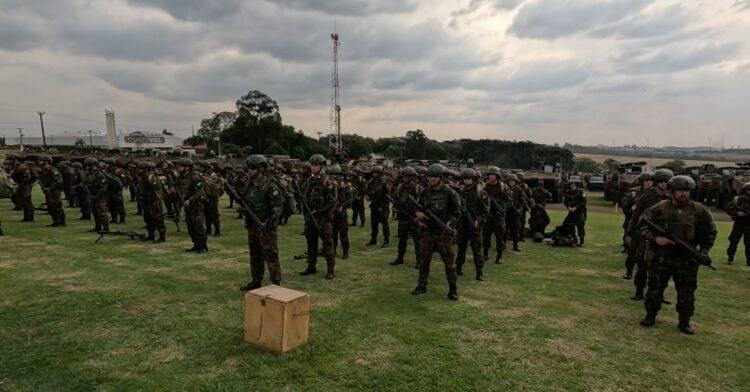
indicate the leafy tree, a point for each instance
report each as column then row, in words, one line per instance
column 415, row 144
column 585, row 165
column 610, row 164
column 676, row 165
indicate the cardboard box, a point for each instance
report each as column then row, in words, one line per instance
column 277, row 318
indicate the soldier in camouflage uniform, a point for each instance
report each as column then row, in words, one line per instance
column 51, row 182
column 407, row 226
column 80, row 191
column 538, row 216
column 377, row 187
column 496, row 218
column 319, row 193
column 575, row 201
column 66, row 171
column 629, row 203
column 691, row 222
column 344, row 196
column 446, row 205
column 477, row 208
column 192, row 188
column 422, row 177
column 150, row 197
column 358, row 203
column 739, row 210
column 650, row 197
column 96, row 183
column 118, row 180
column 25, row 176
column 516, row 203
column 213, row 217
column 264, row 198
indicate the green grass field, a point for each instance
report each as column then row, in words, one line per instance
column 121, row 315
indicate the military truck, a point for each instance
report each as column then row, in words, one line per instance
column 719, row 192
column 741, row 177
column 553, row 178
column 624, row 177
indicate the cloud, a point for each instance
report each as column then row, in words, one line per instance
column 351, row 7
column 678, row 57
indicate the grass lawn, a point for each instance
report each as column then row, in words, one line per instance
column 121, row 315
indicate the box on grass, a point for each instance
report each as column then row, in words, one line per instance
column 277, row 318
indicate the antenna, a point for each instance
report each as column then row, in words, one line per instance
column 335, row 123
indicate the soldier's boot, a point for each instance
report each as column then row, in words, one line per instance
column 453, row 292
column 638, row 296
column 85, row 217
column 386, row 242
column 345, row 249
column 276, row 282
column 684, row 326
column 730, row 259
column 217, row 231
column 649, row 320
column 499, row 257
column 628, row 275
column 195, row 248
column 150, row 236
column 419, row 290
column 96, row 229
column 480, row 275
column 399, row 259
column 665, row 301
column 105, row 227
column 300, row 256
column 252, row 285
column 515, row 246
column 580, row 243
column 330, row 275
column 373, row 241
column 363, row 223
column 309, row 271
column 161, row 238
column 204, row 247
column 486, row 254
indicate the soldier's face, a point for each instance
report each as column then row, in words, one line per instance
column 512, row 183
column 648, row 184
column 661, row 185
column 572, row 186
column 434, row 181
column 468, row 181
column 492, row 178
column 315, row 169
column 681, row 197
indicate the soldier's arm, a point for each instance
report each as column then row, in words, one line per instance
column 485, row 204
column 454, row 208
column 653, row 214
column 706, row 230
column 732, row 207
column 277, row 201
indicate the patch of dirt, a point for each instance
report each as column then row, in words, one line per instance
column 482, row 335
column 586, row 272
column 167, row 354
column 475, row 303
column 571, row 350
column 373, row 357
column 218, row 264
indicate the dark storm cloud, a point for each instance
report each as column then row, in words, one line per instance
column 551, row 19
column 200, row 10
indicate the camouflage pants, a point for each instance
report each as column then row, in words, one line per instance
column 341, row 231
column 263, row 251
column 685, row 275
column 326, row 236
column 23, row 198
column 513, row 224
column 212, row 215
column 538, row 219
column 379, row 217
column 153, row 216
column 406, row 228
column 84, row 201
column 101, row 220
column 578, row 219
column 196, row 223
column 117, row 207
column 636, row 258
column 495, row 225
column 468, row 236
column 358, row 210
column 55, row 206
column 443, row 245
column 740, row 230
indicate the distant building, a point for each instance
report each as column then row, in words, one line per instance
column 138, row 140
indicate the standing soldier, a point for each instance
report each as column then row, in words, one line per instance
column 445, row 204
column 691, row 222
column 517, row 201
column 51, row 182
column 67, row 175
column 150, row 197
column 575, row 201
column 496, row 222
column 739, row 210
column 96, row 182
column 629, row 203
column 538, row 216
column 358, row 203
column 377, row 189
column 344, row 196
column 118, row 180
column 319, row 193
column 476, row 208
column 526, row 206
column 263, row 197
column 407, row 226
column 214, row 190
column 81, row 192
column 422, row 177
column 650, row 197
column 192, row 188
column 25, row 177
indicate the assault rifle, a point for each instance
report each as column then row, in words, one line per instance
column 467, row 216
column 305, row 207
column 495, row 203
column 695, row 255
column 133, row 235
column 177, row 192
column 401, row 209
column 447, row 229
column 237, row 199
column 174, row 218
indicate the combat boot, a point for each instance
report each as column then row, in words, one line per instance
column 252, row 285
column 580, row 243
column 515, row 246
column 217, row 232
column 453, row 292
column 638, row 296
column 161, row 238
column 399, row 260
column 150, row 236
column 386, row 243
column 499, row 259
column 649, row 320
column 730, row 260
column 684, row 327
column 480, row 275
column 85, row 217
column 628, row 275
column 419, row 290
column 346, row 255
column 373, row 241
column 195, row 248
column 309, row 271
column 330, row 275
column 460, row 270
column 486, row 255
column 203, row 248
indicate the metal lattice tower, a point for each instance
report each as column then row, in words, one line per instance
column 335, row 123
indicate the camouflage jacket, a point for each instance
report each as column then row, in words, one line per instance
column 265, row 199
column 403, row 191
column 320, row 193
column 444, row 202
column 96, row 183
column 51, row 180
column 499, row 192
column 649, row 198
column 741, row 202
column 150, row 189
column 692, row 223
column 476, row 201
column 377, row 188
column 344, row 194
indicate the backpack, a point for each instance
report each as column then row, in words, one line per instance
column 290, row 203
column 7, row 185
column 214, row 185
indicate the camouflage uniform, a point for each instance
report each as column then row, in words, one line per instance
column 81, row 192
column 517, row 202
column 265, row 199
column 213, row 194
column 740, row 226
column 358, row 203
column 150, row 196
column 377, row 188
column 67, row 176
column 96, row 182
column 51, row 182
column 193, row 190
column 25, row 177
column 495, row 224
column 344, row 197
column 692, row 223
column 637, row 249
column 406, row 225
column 576, row 199
column 320, row 194
column 478, row 206
column 117, row 182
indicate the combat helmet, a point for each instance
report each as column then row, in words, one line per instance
column 185, row 162
column 494, row 170
column 469, row 173
column 77, row 165
column 334, row 170
column 746, row 187
column 681, row 183
column 11, row 155
column 511, row 177
column 422, row 170
column 254, row 161
column 317, row 159
column 435, row 170
column 646, row 176
column 90, row 161
column 377, row 170
column 408, row 172
column 143, row 165
column 662, row 175
column 203, row 163
column 44, row 158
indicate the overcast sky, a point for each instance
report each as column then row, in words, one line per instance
column 551, row 71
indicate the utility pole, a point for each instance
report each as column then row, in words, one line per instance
column 41, row 122
column 91, row 139
column 335, row 124
column 20, row 136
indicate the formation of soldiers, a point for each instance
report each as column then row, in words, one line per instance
column 436, row 209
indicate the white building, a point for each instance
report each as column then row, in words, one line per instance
column 138, row 140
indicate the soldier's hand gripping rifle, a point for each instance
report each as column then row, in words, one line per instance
column 694, row 255
column 496, row 204
column 467, row 216
column 447, row 229
column 305, row 207
column 237, row 199
column 401, row 209
column 179, row 196
column 133, row 235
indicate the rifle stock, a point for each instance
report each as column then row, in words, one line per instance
column 398, row 205
column 133, row 235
